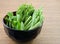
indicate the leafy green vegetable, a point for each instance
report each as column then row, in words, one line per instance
column 28, row 25
column 36, row 20
column 18, row 26
column 33, row 18
column 18, row 17
column 26, row 18
column 14, row 24
column 35, row 26
column 22, row 26
column 10, row 15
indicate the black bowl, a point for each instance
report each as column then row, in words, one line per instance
column 19, row 35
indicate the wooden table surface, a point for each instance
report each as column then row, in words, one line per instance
column 50, row 33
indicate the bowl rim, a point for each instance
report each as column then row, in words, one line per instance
column 19, row 30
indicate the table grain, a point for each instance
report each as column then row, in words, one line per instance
column 50, row 33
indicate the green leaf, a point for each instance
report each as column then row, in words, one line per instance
column 22, row 26
column 6, row 20
column 27, row 20
column 18, row 26
column 35, row 26
column 14, row 18
column 36, row 20
column 33, row 19
column 41, row 19
column 18, row 17
column 10, row 14
column 28, row 25
column 14, row 23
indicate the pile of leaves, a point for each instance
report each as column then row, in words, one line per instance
column 26, row 18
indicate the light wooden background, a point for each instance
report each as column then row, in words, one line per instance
column 50, row 33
